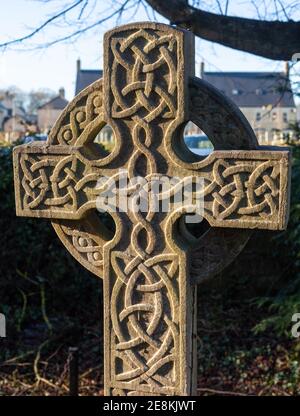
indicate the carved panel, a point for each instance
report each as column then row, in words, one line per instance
column 242, row 189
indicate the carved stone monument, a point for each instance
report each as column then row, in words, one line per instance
column 147, row 95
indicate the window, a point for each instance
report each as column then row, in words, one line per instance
column 285, row 117
column 258, row 116
column 274, row 115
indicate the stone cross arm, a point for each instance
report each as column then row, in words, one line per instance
column 241, row 189
column 149, row 297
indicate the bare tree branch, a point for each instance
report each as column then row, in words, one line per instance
column 42, row 26
column 83, row 28
column 219, row 7
column 76, row 33
column 226, row 7
column 277, row 40
column 82, row 9
column 274, row 40
column 283, row 9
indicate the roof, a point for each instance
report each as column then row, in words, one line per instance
column 57, row 103
column 16, row 117
column 85, row 77
column 253, row 89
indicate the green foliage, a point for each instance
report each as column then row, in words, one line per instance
column 42, row 288
column 286, row 249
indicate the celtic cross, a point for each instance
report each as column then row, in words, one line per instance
column 151, row 265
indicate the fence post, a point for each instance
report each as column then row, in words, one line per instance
column 73, row 371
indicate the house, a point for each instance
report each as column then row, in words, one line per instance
column 265, row 98
column 10, row 106
column 85, row 77
column 14, row 121
column 48, row 113
column 15, row 125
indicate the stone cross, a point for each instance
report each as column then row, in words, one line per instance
column 147, row 95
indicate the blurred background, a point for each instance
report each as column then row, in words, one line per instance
column 49, row 51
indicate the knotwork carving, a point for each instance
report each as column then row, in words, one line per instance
column 153, row 320
column 80, row 116
column 142, row 56
column 245, row 190
column 43, row 176
column 145, row 311
column 149, row 301
column 86, row 245
column 233, row 133
column 235, row 189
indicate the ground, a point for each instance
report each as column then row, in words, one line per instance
column 232, row 360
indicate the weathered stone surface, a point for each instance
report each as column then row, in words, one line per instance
column 147, row 95
column 243, row 189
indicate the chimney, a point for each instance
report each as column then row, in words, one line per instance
column 78, row 65
column 201, row 69
column 61, row 92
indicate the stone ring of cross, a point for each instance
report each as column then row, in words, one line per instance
column 151, row 264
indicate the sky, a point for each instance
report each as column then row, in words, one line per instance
column 54, row 67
